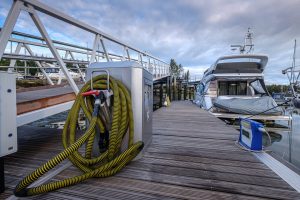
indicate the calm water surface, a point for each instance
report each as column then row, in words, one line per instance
column 287, row 143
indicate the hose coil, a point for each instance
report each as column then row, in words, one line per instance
column 107, row 163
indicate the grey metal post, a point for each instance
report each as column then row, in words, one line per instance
column 77, row 66
column 13, row 61
column 159, row 65
column 160, row 70
column 149, row 64
column 95, row 45
column 124, row 54
column 160, row 94
column 141, row 59
column 170, row 87
column 155, row 70
column 2, row 180
column 9, row 24
column 104, row 49
column 166, row 67
column 60, row 74
column 128, row 55
column 25, row 65
column 39, row 65
column 52, row 48
column 66, row 54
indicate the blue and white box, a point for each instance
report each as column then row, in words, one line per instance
column 251, row 134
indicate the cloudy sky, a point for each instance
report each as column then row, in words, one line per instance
column 194, row 32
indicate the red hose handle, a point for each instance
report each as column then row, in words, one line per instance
column 91, row 92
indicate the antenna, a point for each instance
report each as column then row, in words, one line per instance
column 293, row 74
column 294, row 62
column 248, row 46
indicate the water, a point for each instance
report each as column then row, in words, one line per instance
column 50, row 121
column 288, row 144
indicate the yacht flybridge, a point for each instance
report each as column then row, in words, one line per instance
column 234, row 86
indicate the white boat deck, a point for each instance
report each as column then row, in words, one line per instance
column 256, row 117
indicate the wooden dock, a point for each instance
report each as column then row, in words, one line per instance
column 192, row 156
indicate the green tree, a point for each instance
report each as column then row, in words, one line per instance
column 32, row 71
column 4, row 62
column 187, row 75
column 175, row 68
column 69, row 65
column 30, row 63
column 277, row 88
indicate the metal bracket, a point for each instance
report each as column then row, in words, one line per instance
column 108, row 93
column 27, row 9
column 100, row 70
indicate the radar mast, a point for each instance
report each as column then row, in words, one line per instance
column 248, row 46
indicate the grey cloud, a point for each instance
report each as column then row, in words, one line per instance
column 193, row 32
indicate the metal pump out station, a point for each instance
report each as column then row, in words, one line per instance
column 139, row 82
column 8, row 123
column 117, row 101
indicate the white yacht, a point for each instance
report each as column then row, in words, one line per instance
column 55, row 73
column 235, row 85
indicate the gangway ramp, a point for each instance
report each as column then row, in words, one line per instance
column 41, row 104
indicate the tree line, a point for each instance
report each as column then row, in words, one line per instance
column 278, row 88
column 29, row 63
column 178, row 71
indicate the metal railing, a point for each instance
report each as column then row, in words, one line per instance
column 153, row 64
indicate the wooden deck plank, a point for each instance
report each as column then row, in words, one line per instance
column 192, row 156
column 32, row 100
column 41, row 94
column 202, row 173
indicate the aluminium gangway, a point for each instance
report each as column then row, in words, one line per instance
column 31, row 44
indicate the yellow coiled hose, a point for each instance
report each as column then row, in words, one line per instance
column 107, row 163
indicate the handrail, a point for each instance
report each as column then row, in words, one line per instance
column 70, row 20
column 154, row 65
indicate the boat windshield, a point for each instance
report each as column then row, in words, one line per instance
column 238, row 67
column 236, row 60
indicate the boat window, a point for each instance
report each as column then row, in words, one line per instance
column 235, row 60
column 278, row 95
column 257, row 87
column 232, row 87
column 51, row 70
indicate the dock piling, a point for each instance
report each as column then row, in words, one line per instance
column 2, row 181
